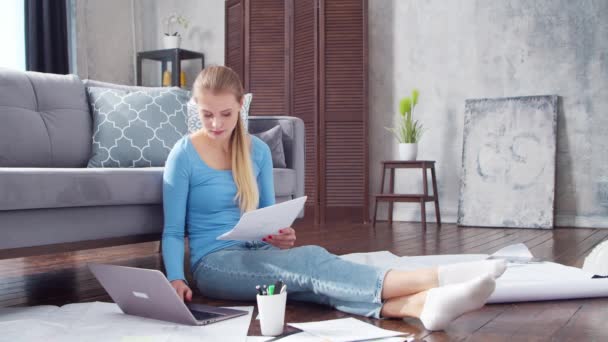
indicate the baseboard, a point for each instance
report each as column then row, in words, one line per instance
column 581, row 221
column 413, row 215
column 451, row 216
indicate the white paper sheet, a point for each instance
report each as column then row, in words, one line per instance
column 513, row 253
column 308, row 337
column 30, row 330
column 536, row 291
column 258, row 338
column 390, row 260
column 105, row 322
column 30, row 312
column 345, row 330
column 522, row 281
column 373, row 258
column 256, row 224
column 303, row 337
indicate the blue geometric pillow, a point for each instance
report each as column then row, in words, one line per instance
column 194, row 120
column 136, row 128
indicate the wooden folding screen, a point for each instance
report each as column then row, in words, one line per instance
column 308, row 58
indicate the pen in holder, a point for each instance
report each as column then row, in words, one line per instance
column 272, row 313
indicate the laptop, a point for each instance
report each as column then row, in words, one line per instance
column 148, row 293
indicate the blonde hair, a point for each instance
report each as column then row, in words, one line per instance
column 223, row 79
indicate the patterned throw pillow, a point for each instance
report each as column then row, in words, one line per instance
column 194, row 121
column 136, row 128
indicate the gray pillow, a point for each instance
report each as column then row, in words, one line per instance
column 136, row 128
column 274, row 139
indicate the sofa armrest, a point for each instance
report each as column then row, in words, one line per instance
column 293, row 142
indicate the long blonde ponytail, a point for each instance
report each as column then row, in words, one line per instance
column 219, row 79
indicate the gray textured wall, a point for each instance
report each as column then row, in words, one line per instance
column 454, row 50
column 110, row 32
column 206, row 33
column 104, row 40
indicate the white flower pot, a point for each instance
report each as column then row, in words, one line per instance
column 171, row 42
column 408, row 151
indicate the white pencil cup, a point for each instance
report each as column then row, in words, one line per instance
column 272, row 313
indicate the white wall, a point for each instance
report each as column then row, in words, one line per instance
column 12, row 35
column 104, row 40
column 205, row 34
column 110, row 32
column 454, row 50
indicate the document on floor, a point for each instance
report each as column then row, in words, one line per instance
column 344, row 330
column 515, row 253
column 98, row 321
column 308, row 337
column 526, row 279
column 256, row 224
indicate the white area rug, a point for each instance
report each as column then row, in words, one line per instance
column 106, row 322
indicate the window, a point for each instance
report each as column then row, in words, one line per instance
column 12, row 34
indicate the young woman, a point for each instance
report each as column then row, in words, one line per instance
column 214, row 175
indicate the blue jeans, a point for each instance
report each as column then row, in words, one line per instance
column 311, row 273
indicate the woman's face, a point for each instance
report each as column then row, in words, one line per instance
column 219, row 113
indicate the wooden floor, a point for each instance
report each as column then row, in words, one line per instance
column 63, row 278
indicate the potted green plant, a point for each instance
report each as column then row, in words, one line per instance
column 172, row 38
column 407, row 131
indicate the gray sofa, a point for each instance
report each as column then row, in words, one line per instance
column 49, row 196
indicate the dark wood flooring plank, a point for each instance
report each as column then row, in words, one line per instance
column 497, row 244
column 467, row 324
column 538, row 320
column 587, row 324
column 579, row 261
column 562, row 239
column 428, row 245
column 571, row 255
column 62, row 278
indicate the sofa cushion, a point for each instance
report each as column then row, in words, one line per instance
column 34, row 188
column 274, row 139
column 45, row 120
column 35, row 227
column 284, row 182
column 37, row 188
column 136, row 128
column 293, row 136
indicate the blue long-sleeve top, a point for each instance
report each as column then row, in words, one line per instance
column 200, row 200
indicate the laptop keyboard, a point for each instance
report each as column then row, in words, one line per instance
column 201, row 316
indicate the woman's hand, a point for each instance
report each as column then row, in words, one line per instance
column 183, row 291
column 284, row 240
